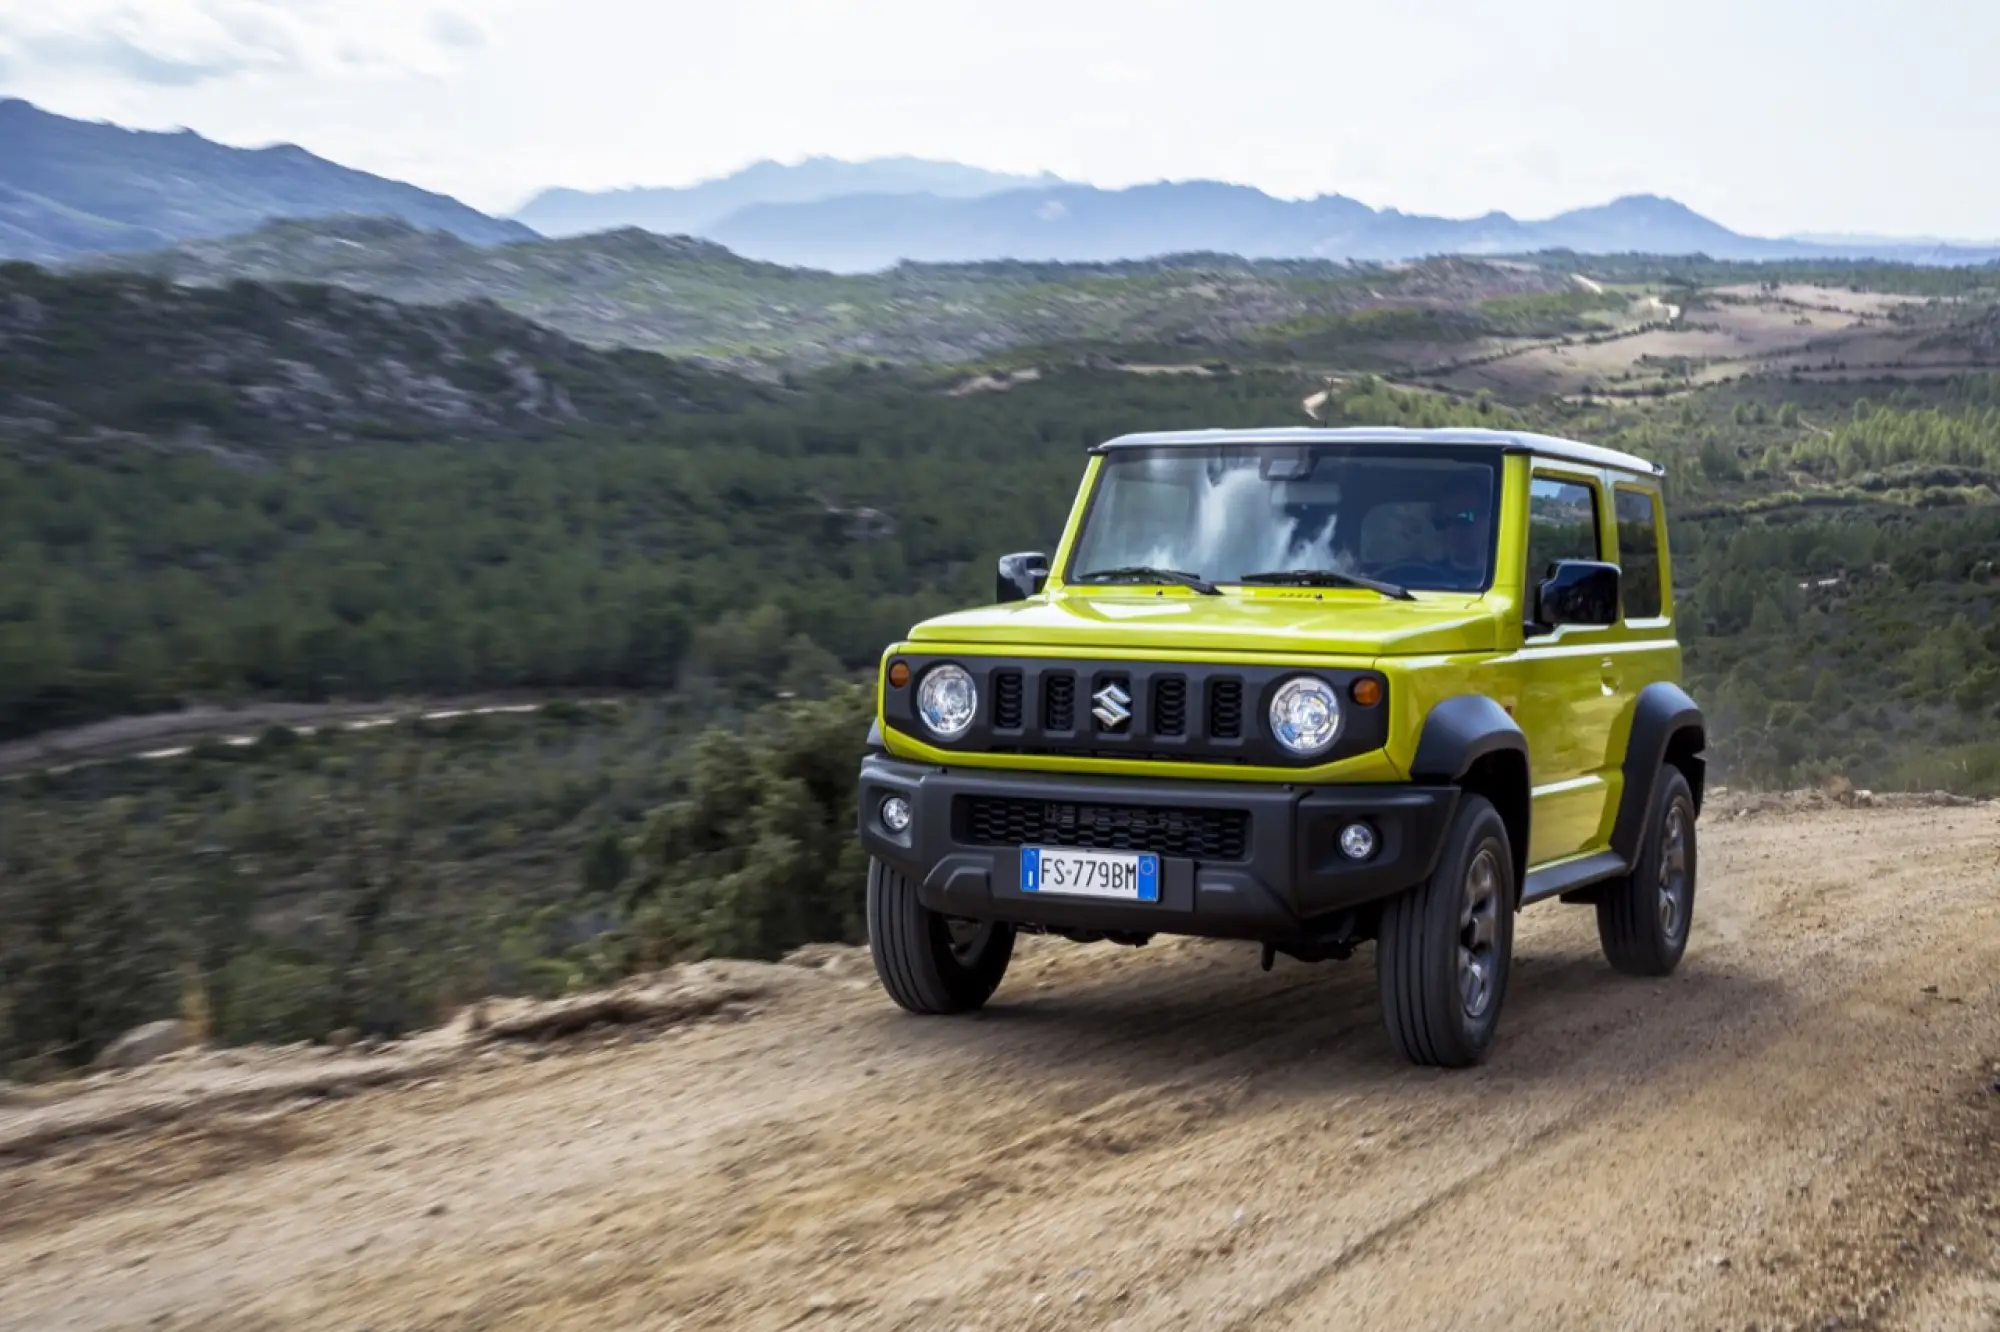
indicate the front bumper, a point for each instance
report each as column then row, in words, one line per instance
column 1284, row 877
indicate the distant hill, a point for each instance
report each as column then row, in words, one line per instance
column 690, row 297
column 103, row 358
column 1080, row 223
column 697, row 208
column 69, row 187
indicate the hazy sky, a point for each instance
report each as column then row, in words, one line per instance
column 1773, row 116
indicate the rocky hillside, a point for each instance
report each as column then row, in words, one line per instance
column 692, row 297
column 112, row 356
column 69, row 187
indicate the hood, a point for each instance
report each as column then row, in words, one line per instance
column 1333, row 622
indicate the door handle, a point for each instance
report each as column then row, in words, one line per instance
column 1608, row 673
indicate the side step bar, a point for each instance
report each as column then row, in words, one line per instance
column 1569, row 876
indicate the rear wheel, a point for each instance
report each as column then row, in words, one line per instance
column 932, row 963
column 1643, row 918
column 1445, row 948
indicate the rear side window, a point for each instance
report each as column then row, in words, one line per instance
column 1562, row 524
column 1638, row 554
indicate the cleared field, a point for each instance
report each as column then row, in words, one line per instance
column 1836, row 300
column 1821, row 333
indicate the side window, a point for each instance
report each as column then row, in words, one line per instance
column 1562, row 525
column 1638, row 554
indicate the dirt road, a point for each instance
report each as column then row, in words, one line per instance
column 170, row 734
column 1796, row 1128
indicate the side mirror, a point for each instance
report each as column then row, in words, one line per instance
column 1021, row 576
column 1577, row 592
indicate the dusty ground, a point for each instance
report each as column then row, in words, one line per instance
column 1797, row 1130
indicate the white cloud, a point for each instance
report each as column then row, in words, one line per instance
column 181, row 43
column 139, row 61
column 451, row 29
column 1117, row 71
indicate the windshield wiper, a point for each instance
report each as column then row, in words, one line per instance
column 1146, row 573
column 1328, row 578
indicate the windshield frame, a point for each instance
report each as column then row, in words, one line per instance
column 1392, row 450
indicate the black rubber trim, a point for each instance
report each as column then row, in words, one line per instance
column 1572, row 875
column 874, row 743
column 1461, row 731
column 1663, row 711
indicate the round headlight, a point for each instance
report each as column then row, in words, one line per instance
column 1305, row 715
column 947, row 701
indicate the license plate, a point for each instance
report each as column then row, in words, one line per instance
column 1065, row 871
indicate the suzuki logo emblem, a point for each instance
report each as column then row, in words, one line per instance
column 1114, row 707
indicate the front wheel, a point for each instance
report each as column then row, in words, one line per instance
column 931, row 963
column 1446, row 946
column 1643, row 918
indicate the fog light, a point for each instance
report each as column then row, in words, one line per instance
column 1357, row 841
column 896, row 814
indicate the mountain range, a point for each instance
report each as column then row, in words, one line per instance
column 695, row 209
column 1083, row 224
column 71, row 188
column 74, row 186
column 866, row 216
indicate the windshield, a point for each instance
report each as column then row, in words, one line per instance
column 1416, row 519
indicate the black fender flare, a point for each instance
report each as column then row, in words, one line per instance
column 1664, row 711
column 1461, row 732
column 874, row 744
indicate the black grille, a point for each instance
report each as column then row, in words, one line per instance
column 1058, row 702
column 1170, row 706
column 1195, row 834
column 1007, row 700
column 1181, row 711
column 1225, row 709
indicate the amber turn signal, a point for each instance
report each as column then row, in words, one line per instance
column 899, row 674
column 1366, row 692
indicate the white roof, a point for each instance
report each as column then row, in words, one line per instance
column 1511, row 441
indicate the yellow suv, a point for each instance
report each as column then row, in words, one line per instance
column 1304, row 687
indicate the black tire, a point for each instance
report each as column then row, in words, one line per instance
column 1643, row 918
column 930, row 963
column 1439, row 1007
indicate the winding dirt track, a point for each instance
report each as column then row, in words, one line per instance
column 1797, row 1127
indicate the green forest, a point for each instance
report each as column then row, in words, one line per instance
column 755, row 552
column 722, row 562
column 376, row 880
column 754, row 549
